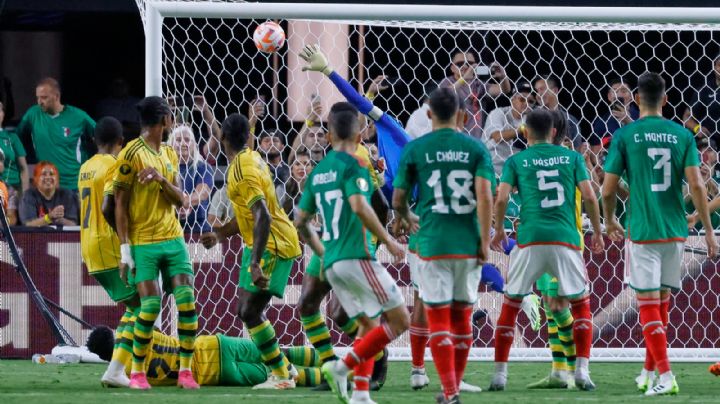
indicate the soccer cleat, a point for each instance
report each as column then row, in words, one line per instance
column 715, row 369
column 379, row 374
column 187, row 381
column 337, row 381
column 419, row 379
column 498, row 382
column 531, row 307
column 275, row 383
column 584, row 383
column 662, row 389
column 645, row 381
column 549, row 382
column 111, row 379
column 469, row 388
column 138, row 381
column 440, row 399
column 364, row 400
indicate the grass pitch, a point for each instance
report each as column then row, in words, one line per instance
column 22, row 381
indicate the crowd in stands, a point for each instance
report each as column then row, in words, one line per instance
column 58, row 137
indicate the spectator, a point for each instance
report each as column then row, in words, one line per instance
column 196, row 177
column 622, row 111
column 502, row 135
column 709, row 174
column 48, row 203
column 547, row 90
column 120, row 105
column 419, row 122
column 220, row 211
column 16, row 170
column 8, row 196
column 302, row 167
column 183, row 109
column 703, row 114
column 473, row 89
column 271, row 148
column 61, row 134
column 312, row 136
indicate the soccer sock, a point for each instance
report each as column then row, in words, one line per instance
column 362, row 372
column 558, row 353
column 664, row 315
column 319, row 335
column 505, row 328
column 369, row 345
column 122, row 351
column 564, row 321
column 349, row 328
column 582, row 328
column 462, row 336
column 263, row 336
column 187, row 324
column 442, row 347
column 654, row 332
column 308, row 376
column 149, row 311
column 419, row 335
column 303, row 356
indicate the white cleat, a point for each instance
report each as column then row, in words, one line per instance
column 419, row 379
column 113, row 379
column 645, row 381
column 275, row 383
column 498, row 382
column 469, row 388
column 661, row 389
column 336, row 380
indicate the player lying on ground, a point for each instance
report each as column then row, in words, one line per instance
column 266, row 261
column 339, row 189
column 543, row 175
column 654, row 154
column 218, row 360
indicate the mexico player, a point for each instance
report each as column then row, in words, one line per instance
column 271, row 244
column 147, row 192
column 655, row 154
column 544, row 174
column 453, row 174
column 339, row 189
column 99, row 243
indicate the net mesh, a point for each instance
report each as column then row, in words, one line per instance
column 216, row 58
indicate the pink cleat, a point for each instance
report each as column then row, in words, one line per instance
column 138, row 381
column 186, row 380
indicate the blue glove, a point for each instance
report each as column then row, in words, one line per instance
column 492, row 277
column 509, row 245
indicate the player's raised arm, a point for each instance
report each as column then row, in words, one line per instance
column 698, row 193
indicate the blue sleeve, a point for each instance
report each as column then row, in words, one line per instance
column 361, row 103
column 391, row 139
column 205, row 175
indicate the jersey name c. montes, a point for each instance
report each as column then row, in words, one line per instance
column 99, row 244
column 653, row 153
column 546, row 177
column 444, row 164
column 249, row 180
column 328, row 190
column 152, row 217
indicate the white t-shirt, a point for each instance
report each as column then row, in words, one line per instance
column 419, row 124
column 498, row 120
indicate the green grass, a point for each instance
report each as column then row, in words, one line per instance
column 26, row 382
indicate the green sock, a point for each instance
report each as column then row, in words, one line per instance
column 309, row 377
column 564, row 320
column 559, row 362
column 264, row 338
column 349, row 328
column 319, row 336
column 122, row 350
column 149, row 311
column 304, row 356
column 187, row 324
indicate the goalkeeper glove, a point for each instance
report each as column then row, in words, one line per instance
column 317, row 62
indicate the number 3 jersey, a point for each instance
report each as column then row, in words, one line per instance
column 327, row 190
column 443, row 164
column 653, row 153
column 546, row 177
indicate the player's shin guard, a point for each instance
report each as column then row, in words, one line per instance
column 122, row 351
column 317, row 332
column 263, row 336
column 505, row 328
column 582, row 328
column 419, row 336
column 149, row 311
column 369, row 345
column 187, row 324
column 442, row 347
column 654, row 332
column 564, row 321
column 462, row 336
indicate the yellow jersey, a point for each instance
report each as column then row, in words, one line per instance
column 249, row 180
column 99, row 244
column 363, row 154
column 153, row 218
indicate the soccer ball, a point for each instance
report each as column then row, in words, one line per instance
column 269, row 37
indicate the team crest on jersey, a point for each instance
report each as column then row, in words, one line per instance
column 362, row 184
column 125, row 169
column 66, row 131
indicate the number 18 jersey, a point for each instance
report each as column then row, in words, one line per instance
column 546, row 176
column 443, row 164
column 653, row 152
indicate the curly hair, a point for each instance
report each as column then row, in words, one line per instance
column 101, row 341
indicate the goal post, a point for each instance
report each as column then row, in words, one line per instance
column 205, row 47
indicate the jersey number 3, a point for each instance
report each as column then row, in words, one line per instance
column 661, row 163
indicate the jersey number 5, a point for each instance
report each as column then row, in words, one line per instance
column 545, row 185
column 663, row 163
column 460, row 183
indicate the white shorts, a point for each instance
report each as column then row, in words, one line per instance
column 449, row 280
column 413, row 263
column 654, row 266
column 528, row 264
column 363, row 287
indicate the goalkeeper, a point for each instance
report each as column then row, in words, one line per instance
column 218, row 360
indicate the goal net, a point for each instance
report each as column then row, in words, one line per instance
column 206, row 48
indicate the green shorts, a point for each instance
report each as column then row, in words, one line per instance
column 167, row 258
column 276, row 268
column 110, row 280
column 548, row 285
column 315, row 268
column 240, row 362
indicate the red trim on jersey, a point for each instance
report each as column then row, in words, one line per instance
column 445, row 257
column 665, row 240
column 574, row 247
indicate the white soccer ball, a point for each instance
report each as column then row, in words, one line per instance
column 269, row 37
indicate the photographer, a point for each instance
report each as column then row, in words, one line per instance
column 502, row 135
column 622, row 111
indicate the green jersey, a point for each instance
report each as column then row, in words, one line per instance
column 328, row 190
column 653, row 153
column 62, row 139
column 12, row 148
column 546, row 177
column 443, row 164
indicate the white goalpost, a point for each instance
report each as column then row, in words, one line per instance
column 205, row 47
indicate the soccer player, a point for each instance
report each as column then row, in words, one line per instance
column 147, row 190
column 654, row 154
column 339, row 189
column 454, row 176
column 271, row 244
column 546, row 176
column 99, row 243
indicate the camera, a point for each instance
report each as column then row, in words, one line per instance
column 482, row 72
